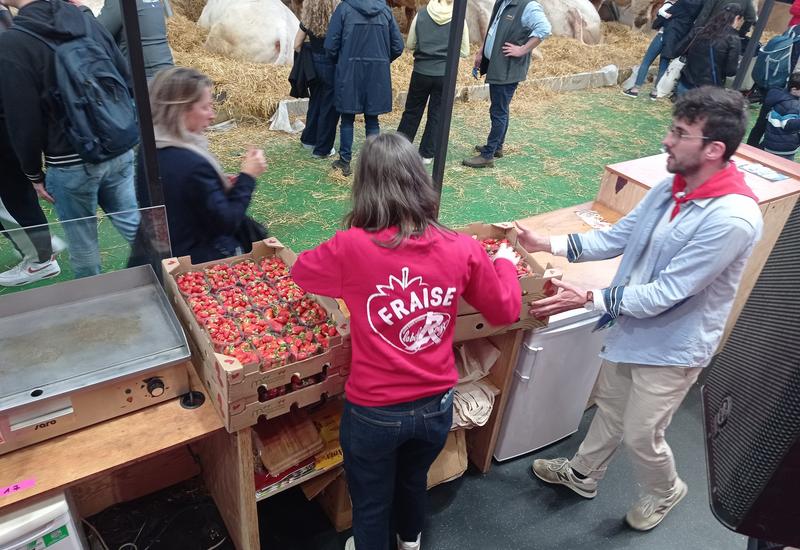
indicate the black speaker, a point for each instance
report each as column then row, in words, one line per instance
column 751, row 405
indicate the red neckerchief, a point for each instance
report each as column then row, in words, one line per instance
column 728, row 181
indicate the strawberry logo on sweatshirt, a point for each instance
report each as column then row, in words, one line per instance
column 403, row 309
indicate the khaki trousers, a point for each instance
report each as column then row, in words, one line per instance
column 635, row 404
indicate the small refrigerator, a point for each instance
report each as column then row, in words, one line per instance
column 554, row 377
column 48, row 524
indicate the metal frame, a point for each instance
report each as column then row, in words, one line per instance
column 153, row 194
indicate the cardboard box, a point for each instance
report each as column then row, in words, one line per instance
column 451, row 462
column 234, row 380
column 331, row 492
column 470, row 324
column 246, row 412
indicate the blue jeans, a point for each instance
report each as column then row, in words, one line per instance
column 681, row 88
column 346, row 133
column 387, row 454
column 78, row 190
column 653, row 51
column 500, row 95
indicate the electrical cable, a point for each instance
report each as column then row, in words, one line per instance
column 218, row 544
column 132, row 545
column 97, row 534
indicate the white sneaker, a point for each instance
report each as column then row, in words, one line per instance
column 29, row 271
column 350, row 544
column 57, row 244
column 650, row 510
column 426, row 160
column 403, row 545
column 559, row 472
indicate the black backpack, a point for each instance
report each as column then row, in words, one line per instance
column 94, row 102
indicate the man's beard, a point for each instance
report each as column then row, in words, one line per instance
column 684, row 169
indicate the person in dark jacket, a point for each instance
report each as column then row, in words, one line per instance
column 516, row 27
column 153, row 30
column 19, row 208
column 712, row 52
column 662, row 21
column 782, row 135
column 683, row 15
column 363, row 39
column 322, row 116
column 427, row 38
column 35, row 128
column 712, row 8
column 205, row 206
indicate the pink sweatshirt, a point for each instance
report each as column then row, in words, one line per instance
column 403, row 304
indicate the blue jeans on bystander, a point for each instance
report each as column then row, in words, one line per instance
column 78, row 190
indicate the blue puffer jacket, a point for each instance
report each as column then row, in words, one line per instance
column 782, row 135
column 363, row 39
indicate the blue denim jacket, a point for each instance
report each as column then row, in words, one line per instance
column 677, row 319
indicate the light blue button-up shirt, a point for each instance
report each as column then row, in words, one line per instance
column 533, row 18
column 691, row 272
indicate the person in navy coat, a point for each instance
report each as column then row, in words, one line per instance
column 363, row 38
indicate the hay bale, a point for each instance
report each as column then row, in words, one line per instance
column 190, row 9
column 253, row 90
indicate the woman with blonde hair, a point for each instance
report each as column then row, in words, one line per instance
column 322, row 117
column 205, row 207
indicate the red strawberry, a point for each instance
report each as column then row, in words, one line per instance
column 289, row 290
column 244, row 352
column 274, row 268
column 204, row 306
column 246, row 272
column 261, row 294
column 220, row 276
column 222, row 331
column 192, row 282
column 233, row 299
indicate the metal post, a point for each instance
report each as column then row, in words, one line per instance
column 750, row 51
column 449, row 90
column 153, row 195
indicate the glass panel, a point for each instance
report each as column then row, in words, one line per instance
column 82, row 247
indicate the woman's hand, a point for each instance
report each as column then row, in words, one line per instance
column 507, row 253
column 254, row 164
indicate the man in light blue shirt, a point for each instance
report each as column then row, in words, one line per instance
column 684, row 250
column 517, row 27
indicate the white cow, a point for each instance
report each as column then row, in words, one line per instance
column 572, row 18
column 261, row 31
column 575, row 19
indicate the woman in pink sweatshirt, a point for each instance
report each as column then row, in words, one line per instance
column 401, row 274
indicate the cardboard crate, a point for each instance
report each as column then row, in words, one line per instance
column 332, row 493
column 470, row 324
column 237, row 381
column 246, row 412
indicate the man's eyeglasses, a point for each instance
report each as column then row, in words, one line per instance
column 679, row 134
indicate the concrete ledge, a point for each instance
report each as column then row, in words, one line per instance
column 609, row 75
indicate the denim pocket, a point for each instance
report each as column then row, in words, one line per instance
column 371, row 436
column 438, row 422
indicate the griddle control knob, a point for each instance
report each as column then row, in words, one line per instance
column 155, row 387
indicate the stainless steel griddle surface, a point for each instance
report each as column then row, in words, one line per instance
column 76, row 334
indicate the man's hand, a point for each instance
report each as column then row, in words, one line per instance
column 43, row 194
column 512, row 50
column 479, row 56
column 532, row 242
column 566, row 298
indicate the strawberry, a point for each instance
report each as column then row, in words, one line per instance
column 234, row 300
column 310, row 312
column 244, row 352
column 222, row 331
column 252, row 323
column 192, row 282
column 289, row 290
column 274, row 350
column 261, row 294
column 274, row 268
column 246, row 272
column 204, row 306
column 280, row 316
column 265, row 395
column 220, row 276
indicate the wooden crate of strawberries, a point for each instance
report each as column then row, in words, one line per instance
column 255, row 334
column 532, row 279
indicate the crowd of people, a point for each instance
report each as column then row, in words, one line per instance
column 395, row 265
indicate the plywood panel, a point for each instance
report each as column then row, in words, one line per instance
column 619, row 192
column 227, row 464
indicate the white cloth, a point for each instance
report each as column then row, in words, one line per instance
column 635, row 404
column 472, row 405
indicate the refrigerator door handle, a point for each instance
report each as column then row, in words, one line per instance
column 526, row 373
